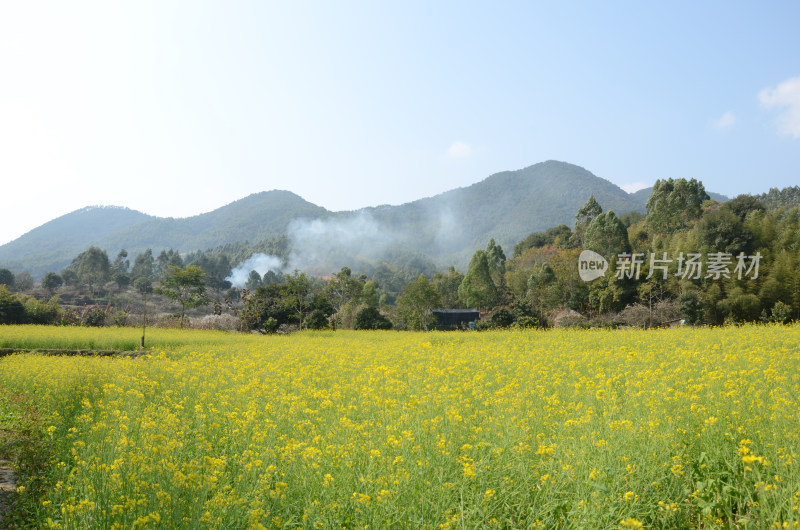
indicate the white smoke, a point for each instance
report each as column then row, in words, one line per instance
column 329, row 243
column 323, row 246
column 261, row 263
column 446, row 225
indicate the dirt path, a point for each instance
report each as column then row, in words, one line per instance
column 8, row 488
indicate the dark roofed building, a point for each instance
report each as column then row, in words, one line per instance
column 447, row 319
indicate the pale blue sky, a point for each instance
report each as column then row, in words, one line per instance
column 177, row 108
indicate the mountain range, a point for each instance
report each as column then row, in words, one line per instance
column 448, row 227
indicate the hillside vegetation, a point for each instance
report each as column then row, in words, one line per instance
column 689, row 259
column 446, row 228
column 53, row 245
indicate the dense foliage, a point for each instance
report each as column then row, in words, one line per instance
column 727, row 238
column 18, row 308
column 448, row 227
column 687, row 259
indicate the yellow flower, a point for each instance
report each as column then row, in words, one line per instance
column 469, row 470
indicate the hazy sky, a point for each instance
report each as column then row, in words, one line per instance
column 177, row 108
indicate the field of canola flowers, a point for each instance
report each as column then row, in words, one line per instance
column 695, row 428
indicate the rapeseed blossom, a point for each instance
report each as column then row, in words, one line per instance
column 562, row 428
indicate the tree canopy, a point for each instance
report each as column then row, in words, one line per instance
column 416, row 302
column 674, row 205
column 606, row 235
column 6, row 278
column 185, row 285
column 91, row 267
column 478, row 289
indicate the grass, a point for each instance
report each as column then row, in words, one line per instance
column 101, row 338
column 22, row 443
column 659, row 429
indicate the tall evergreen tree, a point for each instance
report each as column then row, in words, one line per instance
column 478, row 289
column 606, row 235
column 674, row 205
column 583, row 218
column 588, row 211
column 143, row 265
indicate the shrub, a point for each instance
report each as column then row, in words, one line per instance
column 11, row 309
column 120, row 318
column 69, row 317
column 483, row 325
column 94, row 318
column 740, row 306
column 345, row 318
column 527, row 322
column 270, row 325
column 501, row 318
column 781, row 313
column 371, row 318
column 39, row 312
column 316, row 320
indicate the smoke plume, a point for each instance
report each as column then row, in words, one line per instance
column 261, row 263
column 325, row 245
column 362, row 239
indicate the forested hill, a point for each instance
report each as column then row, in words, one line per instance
column 58, row 241
column 53, row 245
column 506, row 206
column 256, row 217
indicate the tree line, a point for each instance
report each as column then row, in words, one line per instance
column 539, row 285
column 680, row 222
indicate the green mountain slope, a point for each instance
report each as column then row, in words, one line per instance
column 60, row 240
column 448, row 227
column 506, row 206
column 257, row 216
column 53, row 245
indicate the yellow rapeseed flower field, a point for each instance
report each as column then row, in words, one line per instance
column 524, row 429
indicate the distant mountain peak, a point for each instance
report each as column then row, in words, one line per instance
column 108, row 207
column 506, row 206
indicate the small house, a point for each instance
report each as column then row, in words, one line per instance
column 450, row 319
